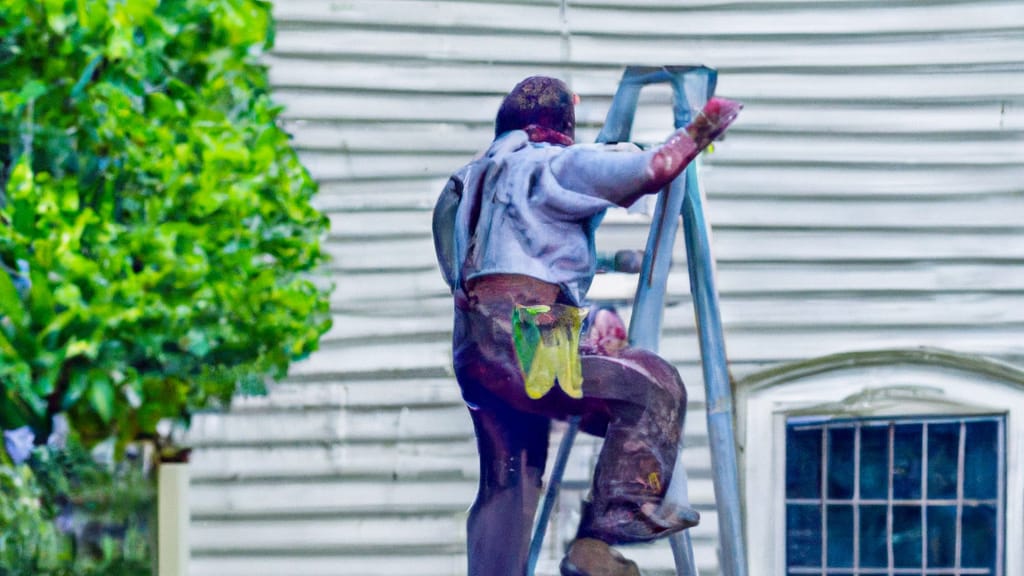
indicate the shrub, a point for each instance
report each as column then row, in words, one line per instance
column 156, row 225
column 66, row 514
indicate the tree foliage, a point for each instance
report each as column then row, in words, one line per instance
column 156, row 226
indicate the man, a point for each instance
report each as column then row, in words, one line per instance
column 514, row 233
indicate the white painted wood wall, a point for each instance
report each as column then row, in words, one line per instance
column 871, row 196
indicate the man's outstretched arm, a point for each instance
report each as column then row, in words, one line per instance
column 622, row 178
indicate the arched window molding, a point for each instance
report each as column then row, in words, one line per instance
column 919, row 382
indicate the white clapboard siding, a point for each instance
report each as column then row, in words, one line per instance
column 870, row 196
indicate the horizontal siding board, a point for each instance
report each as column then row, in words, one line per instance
column 332, row 167
column 943, row 133
column 964, row 153
column 327, row 424
column 424, row 79
column 919, row 86
column 777, row 345
column 975, row 153
column 741, row 5
column 363, row 395
column 899, row 215
column 361, row 535
column 940, row 120
column 443, row 532
column 326, row 105
column 847, row 18
column 867, row 53
column 965, row 51
column 867, row 245
column 763, row 152
column 770, row 184
column 384, row 461
column 732, row 245
column 983, row 128
column 409, row 559
column 392, row 195
column 328, row 497
column 761, row 345
column 537, row 16
column 359, row 291
column 754, row 311
column 862, row 181
column 425, row 563
column 620, row 18
column 481, row 47
column 792, row 280
column 390, row 462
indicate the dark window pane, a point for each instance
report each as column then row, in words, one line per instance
column 979, row 537
column 906, row 472
column 803, row 535
column 840, row 462
column 803, row 463
column 874, row 462
column 941, row 536
column 874, row 550
column 906, row 536
column 981, row 460
column 943, row 446
column 840, row 536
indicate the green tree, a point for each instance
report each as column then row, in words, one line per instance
column 156, row 226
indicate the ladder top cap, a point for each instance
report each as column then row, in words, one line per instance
column 673, row 69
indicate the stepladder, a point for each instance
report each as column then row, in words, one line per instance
column 683, row 198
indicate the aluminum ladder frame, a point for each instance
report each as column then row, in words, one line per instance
column 691, row 86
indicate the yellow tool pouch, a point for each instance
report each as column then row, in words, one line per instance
column 547, row 340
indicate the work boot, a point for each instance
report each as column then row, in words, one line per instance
column 672, row 518
column 628, row 523
column 592, row 557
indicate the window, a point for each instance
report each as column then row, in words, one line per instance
column 939, row 416
column 894, row 496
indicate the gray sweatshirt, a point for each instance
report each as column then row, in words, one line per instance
column 532, row 208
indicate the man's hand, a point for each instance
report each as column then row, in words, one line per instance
column 672, row 157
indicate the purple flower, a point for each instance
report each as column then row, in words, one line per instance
column 19, row 443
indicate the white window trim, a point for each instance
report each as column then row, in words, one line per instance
column 886, row 383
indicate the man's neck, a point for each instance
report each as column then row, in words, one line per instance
column 538, row 133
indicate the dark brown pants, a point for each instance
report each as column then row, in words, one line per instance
column 633, row 398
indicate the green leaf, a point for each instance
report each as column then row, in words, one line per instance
column 101, row 395
column 87, row 348
column 40, row 299
column 32, row 90
column 10, row 304
column 56, row 18
column 6, row 349
column 86, row 76
column 78, row 382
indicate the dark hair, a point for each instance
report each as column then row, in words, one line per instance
column 540, row 100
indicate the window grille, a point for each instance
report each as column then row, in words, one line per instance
column 905, row 496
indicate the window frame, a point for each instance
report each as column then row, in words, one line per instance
column 891, row 383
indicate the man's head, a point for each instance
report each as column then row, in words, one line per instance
column 541, row 101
